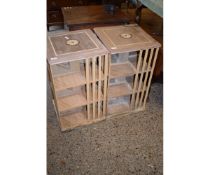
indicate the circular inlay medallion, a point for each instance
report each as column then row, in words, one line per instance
column 126, row 35
column 72, row 42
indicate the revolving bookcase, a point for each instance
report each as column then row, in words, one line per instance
column 78, row 69
column 132, row 58
column 96, row 78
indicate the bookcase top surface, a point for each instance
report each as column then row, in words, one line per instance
column 125, row 38
column 69, row 46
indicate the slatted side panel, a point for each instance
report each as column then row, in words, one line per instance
column 96, row 78
column 152, row 65
column 145, row 67
column 145, row 78
column 136, row 79
column 140, row 76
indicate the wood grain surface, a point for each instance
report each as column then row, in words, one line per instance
column 115, row 43
column 93, row 14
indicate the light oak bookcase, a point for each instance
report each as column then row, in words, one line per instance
column 78, row 69
column 132, row 58
column 92, row 81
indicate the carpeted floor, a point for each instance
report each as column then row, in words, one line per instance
column 129, row 144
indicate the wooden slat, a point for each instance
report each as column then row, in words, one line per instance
column 105, row 85
column 141, row 77
column 150, row 78
column 88, row 88
column 99, row 86
column 94, row 84
column 146, row 77
column 136, row 79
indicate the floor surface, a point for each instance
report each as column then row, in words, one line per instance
column 129, row 144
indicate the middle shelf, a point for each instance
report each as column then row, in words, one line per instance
column 77, row 97
column 121, row 69
column 74, row 79
column 119, row 90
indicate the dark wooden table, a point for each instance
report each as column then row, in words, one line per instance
column 80, row 17
column 54, row 18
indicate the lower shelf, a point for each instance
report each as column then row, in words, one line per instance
column 118, row 108
column 73, row 120
column 119, row 90
column 77, row 98
column 78, row 117
column 70, row 102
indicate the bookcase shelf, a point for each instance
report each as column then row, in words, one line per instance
column 118, row 108
column 69, row 81
column 119, row 90
column 74, row 119
column 121, row 69
column 74, row 79
column 71, row 102
column 78, row 117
